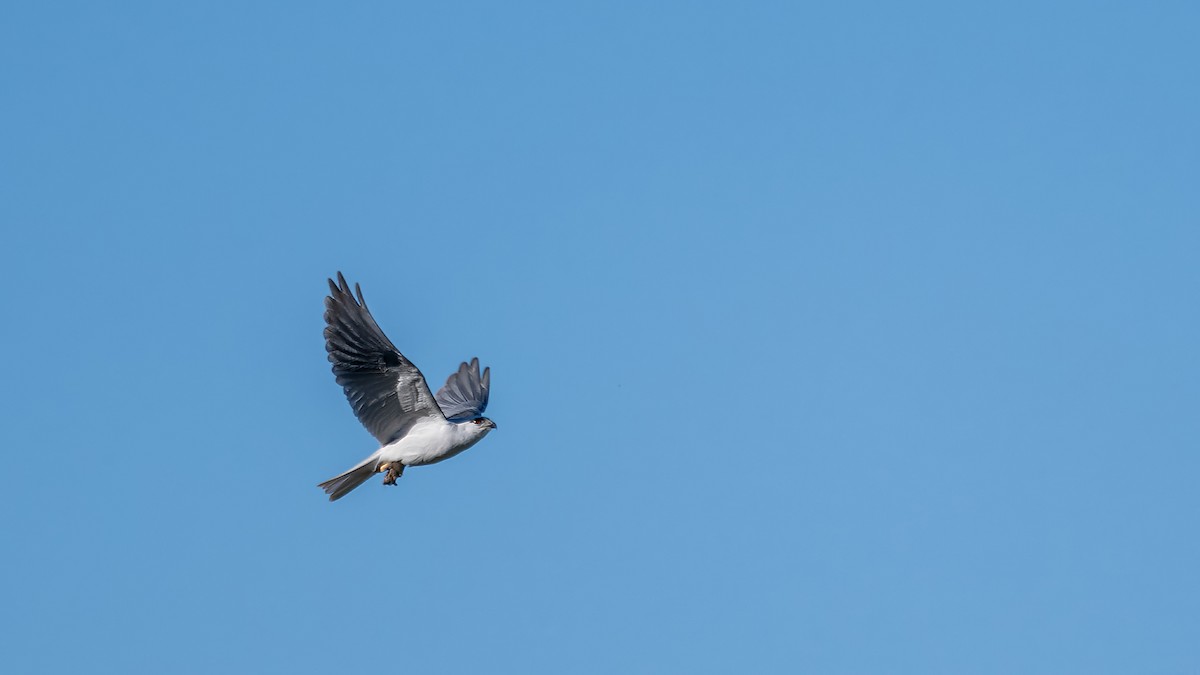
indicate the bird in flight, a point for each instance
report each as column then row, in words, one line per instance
column 391, row 398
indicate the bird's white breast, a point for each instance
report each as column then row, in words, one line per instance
column 429, row 441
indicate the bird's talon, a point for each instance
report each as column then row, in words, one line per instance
column 394, row 471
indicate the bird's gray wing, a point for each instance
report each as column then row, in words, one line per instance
column 465, row 394
column 385, row 389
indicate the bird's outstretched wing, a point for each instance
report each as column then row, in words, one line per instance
column 465, row 394
column 388, row 393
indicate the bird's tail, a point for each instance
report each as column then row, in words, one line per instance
column 338, row 486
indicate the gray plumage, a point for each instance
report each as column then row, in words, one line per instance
column 388, row 393
column 465, row 394
column 337, row 487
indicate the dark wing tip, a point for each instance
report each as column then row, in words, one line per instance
column 338, row 288
column 341, row 288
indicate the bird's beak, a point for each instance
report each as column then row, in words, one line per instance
column 491, row 424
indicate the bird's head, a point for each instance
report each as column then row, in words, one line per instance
column 484, row 424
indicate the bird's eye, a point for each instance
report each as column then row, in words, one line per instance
column 478, row 420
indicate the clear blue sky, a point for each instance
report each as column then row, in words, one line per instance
column 844, row 338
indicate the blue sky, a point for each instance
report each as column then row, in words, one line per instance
column 854, row 338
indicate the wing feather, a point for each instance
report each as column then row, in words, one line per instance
column 387, row 392
column 465, row 394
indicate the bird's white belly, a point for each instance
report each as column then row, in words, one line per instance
column 427, row 443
